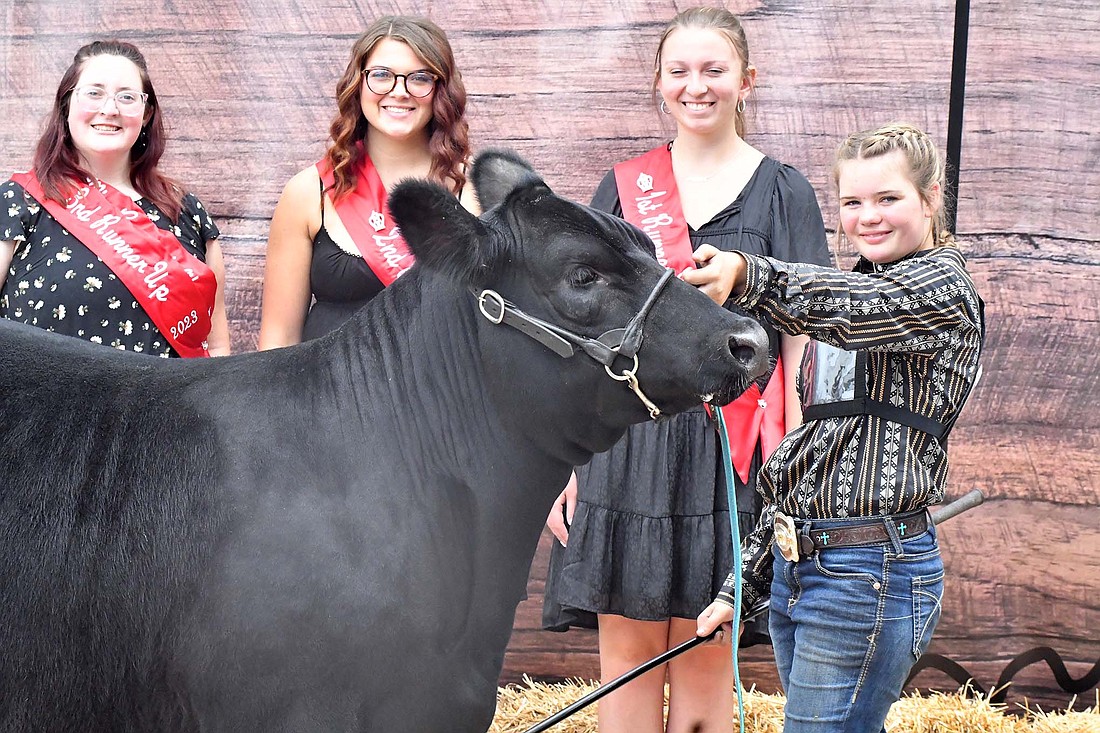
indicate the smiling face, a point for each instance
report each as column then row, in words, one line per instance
column 881, row 211
column 396, row 114
column 701, row 80
column 102, row 133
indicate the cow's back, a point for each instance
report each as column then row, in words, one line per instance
column 198, row 542
column 107, row 519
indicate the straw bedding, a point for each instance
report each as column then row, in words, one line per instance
column 521, row 706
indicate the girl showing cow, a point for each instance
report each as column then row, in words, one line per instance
column 845, row 547
column 97, row 243
column 645, row 532
column 401, row 108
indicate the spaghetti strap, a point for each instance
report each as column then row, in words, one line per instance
column 321, row 183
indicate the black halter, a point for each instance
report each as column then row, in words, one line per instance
column 624, row 342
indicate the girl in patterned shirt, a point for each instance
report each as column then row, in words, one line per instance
column 845, row 547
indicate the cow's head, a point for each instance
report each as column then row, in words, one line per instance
column 586, row 275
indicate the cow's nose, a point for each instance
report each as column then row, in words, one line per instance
column 750, row 351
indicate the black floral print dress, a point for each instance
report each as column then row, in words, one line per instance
column 57, row 284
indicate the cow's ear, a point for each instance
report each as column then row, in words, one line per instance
column 498, row 172
column 441, row 233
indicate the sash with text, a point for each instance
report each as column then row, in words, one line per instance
column 367, row 219
column 175, row 288
column 651, row 202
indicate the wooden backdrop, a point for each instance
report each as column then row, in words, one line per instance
column 248, row 84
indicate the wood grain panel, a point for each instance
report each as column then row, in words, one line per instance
column 275, row 65
column 247, row 88
column 1031, row 122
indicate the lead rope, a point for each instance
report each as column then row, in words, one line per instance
column 694, row 641
column 735, row 534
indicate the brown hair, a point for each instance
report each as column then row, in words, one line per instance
column 57, row 162
column 716, row 19
column 925, row 167
column 448, row 130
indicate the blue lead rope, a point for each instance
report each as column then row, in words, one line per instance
column 735, row 534
column 694, row 641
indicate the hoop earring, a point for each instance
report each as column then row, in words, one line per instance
column 741, row 105
column 664, row 107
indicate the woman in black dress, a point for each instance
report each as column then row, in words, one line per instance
column 401, row 114
column 648, row 541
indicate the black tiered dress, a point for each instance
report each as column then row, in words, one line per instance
column 650, row 537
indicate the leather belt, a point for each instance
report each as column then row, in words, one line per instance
column 797, row 539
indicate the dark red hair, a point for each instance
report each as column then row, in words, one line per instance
column 57, row 162
column 448, row 131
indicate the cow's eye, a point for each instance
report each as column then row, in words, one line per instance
column 583, row 276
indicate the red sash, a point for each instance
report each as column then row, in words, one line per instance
column 175, row 288
column 755, row 416
column 367, row 219
column 651, row 202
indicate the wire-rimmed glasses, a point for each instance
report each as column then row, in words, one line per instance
column 127, row 101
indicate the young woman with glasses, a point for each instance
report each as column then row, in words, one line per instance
column 97, row 243
column 648, row 541
column 332, row 247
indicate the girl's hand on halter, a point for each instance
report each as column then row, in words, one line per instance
column 718, row 274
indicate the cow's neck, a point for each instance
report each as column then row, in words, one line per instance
column 443, row 415
column 496, row 485
column 413, row 353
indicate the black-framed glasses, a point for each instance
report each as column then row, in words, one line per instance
column 381, row 80
column 127, row 102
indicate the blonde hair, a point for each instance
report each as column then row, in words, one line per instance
column 925, row 167
column 715, row 19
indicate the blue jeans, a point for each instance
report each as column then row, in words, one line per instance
column 847, row 625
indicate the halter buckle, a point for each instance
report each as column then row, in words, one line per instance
column 497, row 299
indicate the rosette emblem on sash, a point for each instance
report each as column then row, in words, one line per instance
column 645, row 182
column 377, row 221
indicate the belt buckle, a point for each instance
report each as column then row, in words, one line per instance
column 786, row 537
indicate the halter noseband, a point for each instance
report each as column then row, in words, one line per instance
column 624, row 342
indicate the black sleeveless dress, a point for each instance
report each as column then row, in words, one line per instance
column 341, row 284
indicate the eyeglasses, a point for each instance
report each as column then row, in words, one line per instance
column 381, row 80
column 128, row 103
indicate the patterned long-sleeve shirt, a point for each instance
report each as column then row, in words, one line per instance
column 919, row 321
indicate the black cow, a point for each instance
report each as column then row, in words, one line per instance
column 334, row 536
